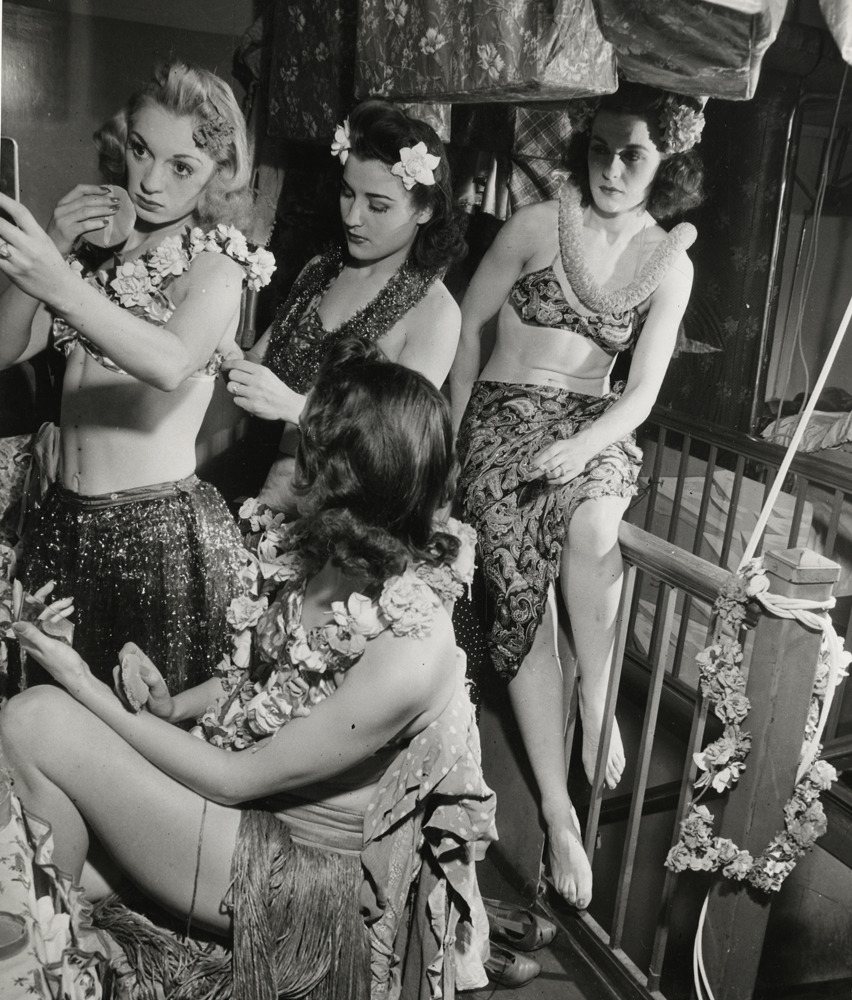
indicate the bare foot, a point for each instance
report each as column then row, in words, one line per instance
column 570, row 871
column 592, row 723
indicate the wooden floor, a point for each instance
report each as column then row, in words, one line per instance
column 564, row 975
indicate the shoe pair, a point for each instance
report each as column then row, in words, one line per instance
column 524, row 931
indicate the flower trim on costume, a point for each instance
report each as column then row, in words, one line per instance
column 276, row 669
column 674, row 243
column 139, row 286
column 723, row 761
column 416, row 165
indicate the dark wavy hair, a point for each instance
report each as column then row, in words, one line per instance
column 378, row 130
column 679, row 183
column 191, row 92
column 374, row 464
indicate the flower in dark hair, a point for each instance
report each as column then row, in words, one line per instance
column 681, row 126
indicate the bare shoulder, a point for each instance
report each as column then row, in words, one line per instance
column 428, row 649
column 218, row 266
column 529, row 222
column 436, row 308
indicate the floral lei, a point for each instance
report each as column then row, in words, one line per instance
column 140, row 285
column 723, row 761
column 680, row 238
column 276, row 669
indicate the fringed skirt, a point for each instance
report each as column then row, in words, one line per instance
column 156, row 566
column 297, row 927
column 521, row 521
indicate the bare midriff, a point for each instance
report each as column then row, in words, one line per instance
column 529, row 354
column 118, row 433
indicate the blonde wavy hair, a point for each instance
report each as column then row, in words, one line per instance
column 191, row 92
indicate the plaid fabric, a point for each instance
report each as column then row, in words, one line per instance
column 533, row 180
column 538, row 151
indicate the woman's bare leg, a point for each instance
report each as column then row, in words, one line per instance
column 535, row 693
column 71, row 769
column 590, row 578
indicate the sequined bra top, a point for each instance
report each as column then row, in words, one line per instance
column 538, row 299
column 299, row 343
column 141, row 286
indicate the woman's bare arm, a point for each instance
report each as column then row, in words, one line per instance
column 208, row 293
column 432, row 335
column 399, row 684
column 503, row 263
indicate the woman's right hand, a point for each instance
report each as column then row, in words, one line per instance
column 86, row 208
column 258, row 391
column 158, row 700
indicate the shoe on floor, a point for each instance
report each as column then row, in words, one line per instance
column 517, row 926
column 508, row 968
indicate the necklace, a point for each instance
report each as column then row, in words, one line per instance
column 300, row 343
column 646, row 281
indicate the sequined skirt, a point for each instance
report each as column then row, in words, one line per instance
column 156, row 566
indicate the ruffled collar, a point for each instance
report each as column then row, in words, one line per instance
column 590, row 294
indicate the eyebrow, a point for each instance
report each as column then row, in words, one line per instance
column 175, row 156
column 631, row 145
column 370, row 194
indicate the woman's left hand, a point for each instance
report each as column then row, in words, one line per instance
column 63, row 663
column 28, row 256
column 561, row 461
column 259, row 392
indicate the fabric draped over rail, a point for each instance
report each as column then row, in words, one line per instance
column 325, row 57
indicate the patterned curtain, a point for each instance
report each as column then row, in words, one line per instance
column 312, row 66
column 481, row 50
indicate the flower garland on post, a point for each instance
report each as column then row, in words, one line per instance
column 722, row 762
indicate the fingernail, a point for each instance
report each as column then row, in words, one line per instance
column 107, row 188
column 18, row 627
column 114, row 200
column 104, row 223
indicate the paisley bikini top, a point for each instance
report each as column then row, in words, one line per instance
column 538, row 299
column 613, row 321
column 142, row 285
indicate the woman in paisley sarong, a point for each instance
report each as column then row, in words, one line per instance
column 291, row 821
column 145, row 547
column 382, row 284
column 547, row 446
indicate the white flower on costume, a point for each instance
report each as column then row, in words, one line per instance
column 416, row 165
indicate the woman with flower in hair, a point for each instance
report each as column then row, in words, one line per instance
column 334, row 751
column 382, row 285
column 142, row 545
column 547, row 446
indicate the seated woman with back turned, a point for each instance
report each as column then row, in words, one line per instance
column 345, row 698
column 146, row 548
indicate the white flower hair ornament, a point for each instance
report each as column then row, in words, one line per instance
column 416, row 165
column 341, row 144
column 681, row 124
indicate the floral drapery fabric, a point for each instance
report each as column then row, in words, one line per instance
column 501, row 50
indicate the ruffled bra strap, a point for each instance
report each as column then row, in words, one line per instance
column 584, row 285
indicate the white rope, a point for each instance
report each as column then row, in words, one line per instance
column 768, row 505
